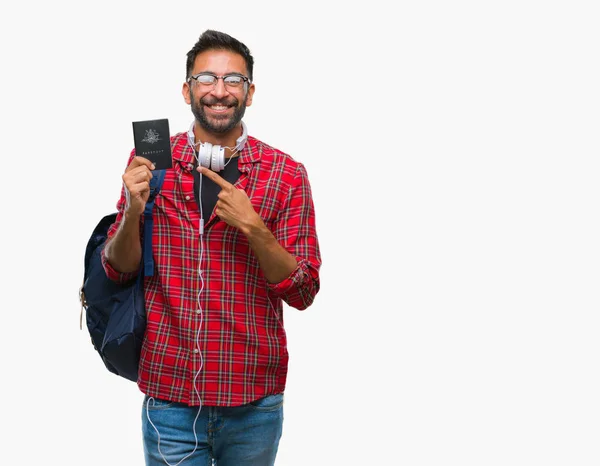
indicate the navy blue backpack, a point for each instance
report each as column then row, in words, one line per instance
column 115, row 313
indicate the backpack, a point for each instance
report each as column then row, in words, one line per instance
column 115, row 313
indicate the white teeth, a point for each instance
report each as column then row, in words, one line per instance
column 218, row 107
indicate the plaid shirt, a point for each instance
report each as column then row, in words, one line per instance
column 221, row 333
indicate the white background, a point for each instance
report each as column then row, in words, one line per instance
column 452, row 149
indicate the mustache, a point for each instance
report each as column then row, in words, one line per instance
column 212, row 101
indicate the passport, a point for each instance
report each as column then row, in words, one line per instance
column 153, row 142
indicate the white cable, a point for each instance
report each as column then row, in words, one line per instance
column 200, row 233
column 151, row 398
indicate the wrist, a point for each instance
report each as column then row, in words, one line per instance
column 131, row 214
column 255, row 227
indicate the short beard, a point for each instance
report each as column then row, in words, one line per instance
column 221, row 126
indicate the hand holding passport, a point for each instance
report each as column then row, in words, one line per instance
column 153, row 142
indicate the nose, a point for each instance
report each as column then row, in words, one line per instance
column 219, row 90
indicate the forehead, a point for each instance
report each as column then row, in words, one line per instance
column 219, row 62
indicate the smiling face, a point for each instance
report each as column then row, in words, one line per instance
column 218, row 108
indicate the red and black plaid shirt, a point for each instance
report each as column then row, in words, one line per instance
column 226, row 328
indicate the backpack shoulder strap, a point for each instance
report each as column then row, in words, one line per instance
column 155, row 185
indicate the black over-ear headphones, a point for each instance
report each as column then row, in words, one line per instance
column 212, row 155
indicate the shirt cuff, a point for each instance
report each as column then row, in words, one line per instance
column 294, row 280
column 115, row 275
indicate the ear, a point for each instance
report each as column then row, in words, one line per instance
column 249, row 95
column 186, row 92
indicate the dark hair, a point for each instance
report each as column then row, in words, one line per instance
column 215, row 40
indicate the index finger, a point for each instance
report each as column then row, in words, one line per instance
column 139, row 161
column 214, row 177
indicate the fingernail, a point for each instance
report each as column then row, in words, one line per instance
column 153, row 166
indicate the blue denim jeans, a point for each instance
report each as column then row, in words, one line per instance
column 245, row 435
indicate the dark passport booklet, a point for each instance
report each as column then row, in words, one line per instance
column 153, row 142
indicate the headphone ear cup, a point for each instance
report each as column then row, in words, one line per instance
column 205, row 154
column 218, row 158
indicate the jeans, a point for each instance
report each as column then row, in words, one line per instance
column 245, row 435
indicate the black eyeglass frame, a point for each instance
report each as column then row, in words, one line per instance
column 195, row 77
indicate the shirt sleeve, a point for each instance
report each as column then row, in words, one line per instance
column 296, row 232
column 111, row 272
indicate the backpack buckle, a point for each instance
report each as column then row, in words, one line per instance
column 83, row 305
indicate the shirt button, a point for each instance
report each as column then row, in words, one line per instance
column 198, row 311
column 187, row 198
column 190, row 167
column 196, row 350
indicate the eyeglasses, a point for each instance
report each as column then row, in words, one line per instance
column 209, row 81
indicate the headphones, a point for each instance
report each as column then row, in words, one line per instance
column 212, row 155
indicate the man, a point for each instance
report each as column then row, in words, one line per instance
column 229, row 248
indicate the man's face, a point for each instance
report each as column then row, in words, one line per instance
column 218, row 108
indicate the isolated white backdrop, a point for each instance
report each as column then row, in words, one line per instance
column 452, row 149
